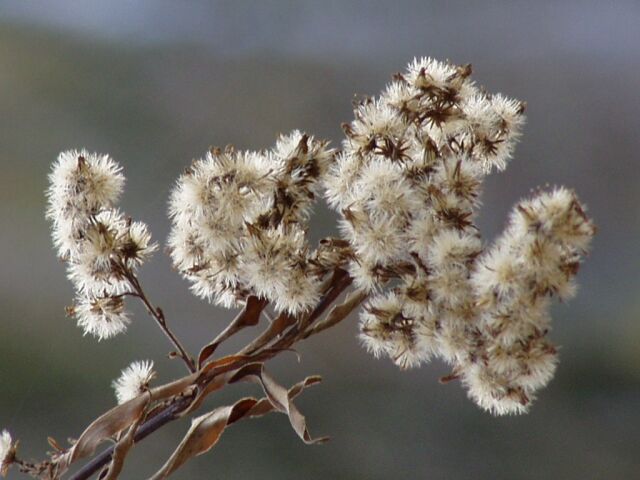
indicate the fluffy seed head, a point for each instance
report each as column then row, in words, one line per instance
column 99, row 244
column 102, row 317
column 81, row 184
column 387, row 329
column 239, row 223
column 407, row 185
column 133, row 381
column 7, row 452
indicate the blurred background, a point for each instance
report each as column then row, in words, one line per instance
column 155, row 83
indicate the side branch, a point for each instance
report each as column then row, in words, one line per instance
column 158, row 316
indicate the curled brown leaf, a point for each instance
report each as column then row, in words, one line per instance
column 117, row 419
column 248, row 317
column 206, row 430
column 279, row 398
column 120, row 452
column 204, row 433
column 104, row 427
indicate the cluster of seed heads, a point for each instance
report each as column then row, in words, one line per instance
column 406, row 184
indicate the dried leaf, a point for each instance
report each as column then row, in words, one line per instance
column 340, row 280
column 264, row 405
column 339, row 312
column 221, row 364
column 204, row 433
column 105, row 426
column 279, row 325
column 120, row 452
column 117, row 419
column 449, row 378
column 299, row 387
column 206, row 430
column 248, row 317
column 54, row 444
column 279, row 398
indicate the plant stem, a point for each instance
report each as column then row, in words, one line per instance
column 340, row 283
column 146, row 429
column 158, row 315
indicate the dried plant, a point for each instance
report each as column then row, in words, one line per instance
column 407, row 186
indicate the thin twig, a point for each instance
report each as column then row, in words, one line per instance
column 158, row 315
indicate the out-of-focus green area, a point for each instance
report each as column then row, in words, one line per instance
column 155, row 85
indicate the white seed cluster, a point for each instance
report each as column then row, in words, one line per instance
column 407, row 185
column 535, row 258
column 240, row 223
column 95, row 239
column 133, row 380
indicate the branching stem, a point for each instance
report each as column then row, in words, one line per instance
column 301, row 329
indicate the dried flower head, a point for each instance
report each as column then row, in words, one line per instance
column 7, row 452
column 133, row 380
column 101, row 316
column 101, row 246
column 239, row 223
column 536, row 258
column 407, row 185
column 82, row 184
column 391, row 325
